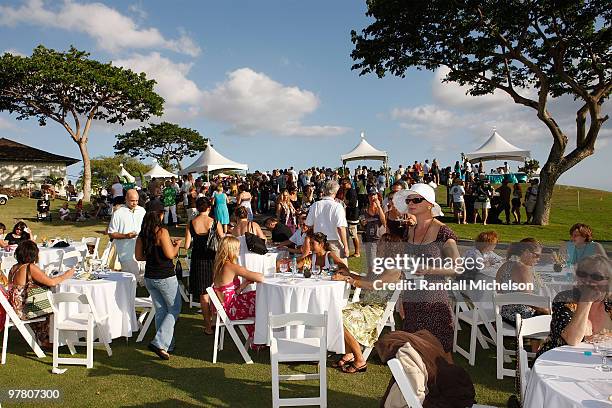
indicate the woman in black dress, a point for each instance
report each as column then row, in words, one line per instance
column 19, row 234
column 202, row 258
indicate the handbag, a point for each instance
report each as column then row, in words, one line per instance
column 178, row 269
column 212, row 243
column 37, row 302
column 254, row 243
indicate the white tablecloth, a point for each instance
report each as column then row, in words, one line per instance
column 113, row 295
column 277, row 296
column 565, row 378
column 49, row 256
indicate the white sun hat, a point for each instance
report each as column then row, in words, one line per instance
column 425, row 191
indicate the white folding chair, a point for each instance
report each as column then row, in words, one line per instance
column 390, row 322
column 384, row 319
column 504, row 329
column 224, row 322
column 7, row 263
column 12, row 320
column 406, row 389
column 71, row 259
column 95, row 241
column 475, row 315
column 146, row 316
column 103, row 260
column 298, row 349
column 77, row 322
column 536, row 326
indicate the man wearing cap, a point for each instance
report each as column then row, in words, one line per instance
column 123, row 229
column 328, row 216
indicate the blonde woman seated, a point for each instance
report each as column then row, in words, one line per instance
column 243, row 224
column 227, row 286
column 361, row 318
column 321, row 255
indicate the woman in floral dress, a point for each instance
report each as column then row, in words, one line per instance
column 237, row 305
column 24, row 275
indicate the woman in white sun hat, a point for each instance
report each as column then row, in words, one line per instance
column 428, row 239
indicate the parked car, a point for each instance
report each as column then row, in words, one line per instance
column 3, row 199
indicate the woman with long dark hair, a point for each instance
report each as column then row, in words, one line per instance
column 156, row 248
column 19, row 234
column 202, row 257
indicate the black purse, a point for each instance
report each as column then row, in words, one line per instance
column 254, row 243
column 178, row 269
column 212, row 243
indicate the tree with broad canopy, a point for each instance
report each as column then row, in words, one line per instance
column 555, row 48
column 74, row 91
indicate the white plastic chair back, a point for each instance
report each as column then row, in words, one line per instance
column 71, row 259
column 403, row 383
column 524, row 328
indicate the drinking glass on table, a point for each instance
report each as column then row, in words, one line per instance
column 283, row 267
column 316, row 271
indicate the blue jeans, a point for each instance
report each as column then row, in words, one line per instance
column 167, row 302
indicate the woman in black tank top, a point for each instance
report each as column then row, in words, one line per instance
column 156, row 248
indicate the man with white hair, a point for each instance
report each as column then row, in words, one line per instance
column 124, row 228
column 328, row 216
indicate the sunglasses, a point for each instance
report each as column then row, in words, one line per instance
column 416, row 200
column 592, row 276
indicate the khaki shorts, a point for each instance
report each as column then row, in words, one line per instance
column 352, row 231
column 337, row 247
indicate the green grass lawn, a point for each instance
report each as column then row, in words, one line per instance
column 134, row 377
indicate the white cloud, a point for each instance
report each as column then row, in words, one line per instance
column 112, row 30
column 172, row 83
column 7, row 124
column 252, row 102
column 14, row 52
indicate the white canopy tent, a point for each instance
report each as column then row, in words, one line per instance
column 365, row 151
column 124, row 173
column 158, row 172
column 211, row 160
column 498, row 148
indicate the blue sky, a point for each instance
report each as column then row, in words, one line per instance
column 270, row 83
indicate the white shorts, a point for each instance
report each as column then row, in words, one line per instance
column 479, row 205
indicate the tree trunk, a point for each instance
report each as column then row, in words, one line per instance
column 548, row 178
column 86, row 171
column 178, row 163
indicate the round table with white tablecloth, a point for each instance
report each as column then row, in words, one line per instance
column 566, row 378
column 113, row 294
column 278, row 296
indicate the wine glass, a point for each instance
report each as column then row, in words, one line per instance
column 283, row 267
column 604, row 346
column 316, row 271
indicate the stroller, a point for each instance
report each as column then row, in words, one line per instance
column 43, row 209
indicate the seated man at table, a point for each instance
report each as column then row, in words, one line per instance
column 585, row 310
column 361, row 318
column 24, row 274
column 298, row 242
column 280, row 232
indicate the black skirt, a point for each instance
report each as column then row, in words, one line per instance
column 200, row 276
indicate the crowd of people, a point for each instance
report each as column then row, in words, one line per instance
column 323, row 217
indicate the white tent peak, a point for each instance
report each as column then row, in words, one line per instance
column 124, row 173
column 498, row 148
column 158, row 172
column 364, row 151
column 211, row 160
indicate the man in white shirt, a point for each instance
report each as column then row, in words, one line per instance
column 117, row 192
column 328, row 216
column 124, row 228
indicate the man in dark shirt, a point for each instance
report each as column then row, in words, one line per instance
column 280, row 232
column 505, row 195
column 352, row 214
